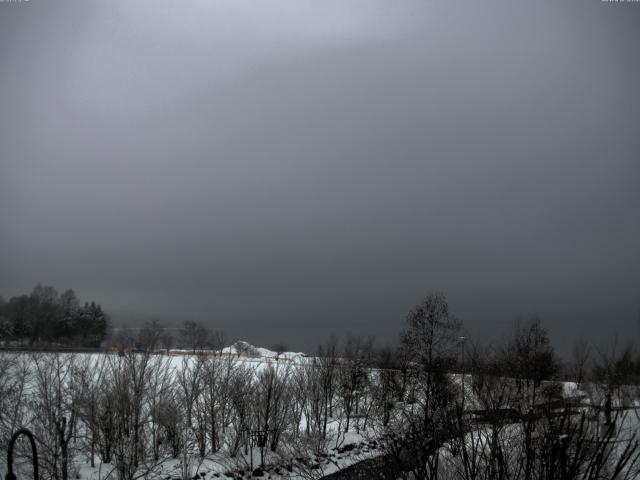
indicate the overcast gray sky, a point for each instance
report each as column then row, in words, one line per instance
column 288, row 168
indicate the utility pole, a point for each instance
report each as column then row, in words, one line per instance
column 462, row 340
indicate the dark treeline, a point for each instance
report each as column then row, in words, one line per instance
column 45, row 317
column 155, row 336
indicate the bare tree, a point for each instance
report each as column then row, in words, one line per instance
column 193, row 433
column 195, row 336
column 580, row 361
column 218, row 379
column 128, row 413
column 15, row 378
column 91, row 376
column 161, row 386
column 353, row 377
column 530, row 361
column 481, row 454
column 386, row 387
column 168, row 415
column 240, row 393
column 566, row 445
column 150, row 336
column 614, row 371
column 328, row 365
column 414, row 435
column 55, row 416
column 304, row 391
column 272, row 402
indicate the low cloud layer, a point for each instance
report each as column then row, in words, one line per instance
column 294, row 168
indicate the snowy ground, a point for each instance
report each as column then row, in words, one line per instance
column 355, row 448
column 340, row 450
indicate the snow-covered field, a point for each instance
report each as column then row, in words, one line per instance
column 238, row 412
column 272, row 381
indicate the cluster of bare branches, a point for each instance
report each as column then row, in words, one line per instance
column 129, row 413
column 504, row 413
column 522, row 423
column 440, row 405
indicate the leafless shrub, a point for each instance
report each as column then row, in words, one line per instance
column 55, row 416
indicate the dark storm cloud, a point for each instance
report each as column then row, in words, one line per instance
column 290, row 168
